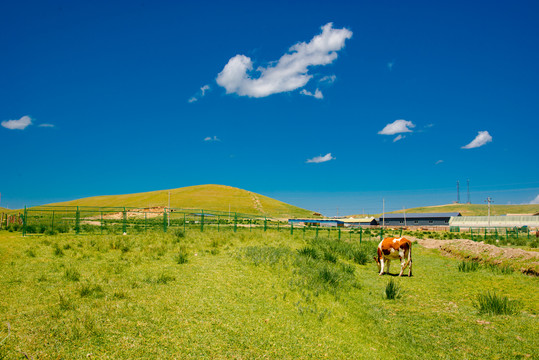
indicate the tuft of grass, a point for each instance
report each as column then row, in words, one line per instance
column 72, row 274
column 181, row 257
column 494, row 304
column 58, row 250
column 164, row 279
column 360, row 257
column 329, row 275
column 468, row 266
column 309, row 251
column 329, row 256
column 393, row 290
column 65, row 303
column 93, row 290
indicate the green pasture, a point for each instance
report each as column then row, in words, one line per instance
column 250, row 295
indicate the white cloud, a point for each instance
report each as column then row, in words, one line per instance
column 199, row 94
column 287, row 74
column 399, row 137
column 438, row 162
column 317, row 94
column 535, row 201
column 390, row 65
column 482, row 138
column 46, row 125
column 321, row 159
column 204, row 89
column 214, row 138
column 20, row 124
column 396, row 127
column 329, row 79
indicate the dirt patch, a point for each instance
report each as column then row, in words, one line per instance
column 525, row 261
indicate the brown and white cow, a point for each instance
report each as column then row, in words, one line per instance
column 392, row 249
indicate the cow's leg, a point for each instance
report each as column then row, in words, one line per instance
column 403, row 265
column 410, row 267
column 387, row 266
column 381, row 266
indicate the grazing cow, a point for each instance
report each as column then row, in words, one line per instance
column 392, row 249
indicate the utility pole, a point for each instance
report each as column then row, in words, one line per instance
column 168, row 217
column 403, row 208
column 458, row 191
column 488, row 200
column 468, row 183
column 383, row 212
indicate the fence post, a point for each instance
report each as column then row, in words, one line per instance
column 101, row 222
column 291, row 228
column 329, row 234
column 202, row 221
column 471, row 231
column 265, row 223
column 360, row 234
column 496, row 234
column 145, row 222
column 77, row 221
column 339, row 233
column 528, row 233
column 304, row 231
column 381, row 233
column 218, row 221
column 52, row 223
column 235, row 222
column 401, row 233
column 350, row 233
column 317, row 231
column 164, row 220
column 23, row 221
column 278, row 225
column 250, row 222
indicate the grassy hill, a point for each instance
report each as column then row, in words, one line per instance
column 210, row 197
column 475, row 209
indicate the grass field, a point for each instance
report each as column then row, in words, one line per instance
column 476, row 209
column 210, row 197
column 250, row 295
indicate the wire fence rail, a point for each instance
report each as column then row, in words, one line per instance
column 128, row 220
column 123, row 220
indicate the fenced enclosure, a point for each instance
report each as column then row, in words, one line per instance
column 122, row 220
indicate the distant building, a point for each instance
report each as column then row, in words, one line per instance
column 507, row 221
column 414, row 219
column 342, row 222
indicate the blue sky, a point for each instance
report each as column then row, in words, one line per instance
column 322, row 105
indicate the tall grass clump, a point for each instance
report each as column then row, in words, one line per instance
column 393, row 290
column 182, row 257
column 309, row 251
column 494, row 304
column 468, row 266
column 72, row 274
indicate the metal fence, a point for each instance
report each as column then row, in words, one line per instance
column 125, row 220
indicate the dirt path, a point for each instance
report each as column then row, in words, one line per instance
column 525, row 261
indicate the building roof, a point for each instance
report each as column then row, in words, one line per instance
column 420, row 215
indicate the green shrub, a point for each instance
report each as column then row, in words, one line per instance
column 360, row 257
column 468, row 266
column 393, row 290
column 494, row 304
